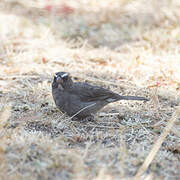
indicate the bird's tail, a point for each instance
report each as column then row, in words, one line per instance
column 136, row 98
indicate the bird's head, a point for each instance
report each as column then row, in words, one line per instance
column 62, row 79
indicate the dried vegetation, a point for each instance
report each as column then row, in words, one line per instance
column 132, row 47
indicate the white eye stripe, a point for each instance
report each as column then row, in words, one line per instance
column 56, row 75
column 64, row 75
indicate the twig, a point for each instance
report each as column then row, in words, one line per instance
column 81, row 110
column 157, row 145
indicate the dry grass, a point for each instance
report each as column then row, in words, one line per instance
column 158, row 144
column 132, row 47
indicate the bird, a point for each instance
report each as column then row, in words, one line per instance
column 80, row 100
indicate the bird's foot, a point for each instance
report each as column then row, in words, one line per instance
column 86, row 119
column 75, row 119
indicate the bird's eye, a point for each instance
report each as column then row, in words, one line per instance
column 64, row 76
column 55, row 76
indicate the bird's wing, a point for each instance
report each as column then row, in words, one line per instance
column 88, row 92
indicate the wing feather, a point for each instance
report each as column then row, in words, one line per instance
column 88, row 92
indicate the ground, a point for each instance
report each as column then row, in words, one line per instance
column 130, row 47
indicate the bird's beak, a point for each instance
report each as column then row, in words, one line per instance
column 59, row 80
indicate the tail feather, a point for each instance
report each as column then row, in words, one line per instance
column 136, row 98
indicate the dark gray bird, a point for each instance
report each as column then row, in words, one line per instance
column 81, row 100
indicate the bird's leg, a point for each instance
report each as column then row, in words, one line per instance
column 75, row 119
column 86, row 119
